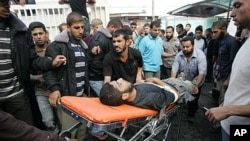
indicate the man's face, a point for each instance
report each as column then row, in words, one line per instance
column 40, row 36
column 218, row 33
column 155, row 31
column 122, row 85
column 198, row 34
column 76, row 30
column 133, row 27
column 178, row 30
column 240, row 13
column 146, row 29
column 113, row 28
column 120, row 44
column 187, row 48
column 95, row 28
column 187, row 28
column 169, row 33
column 4, row 9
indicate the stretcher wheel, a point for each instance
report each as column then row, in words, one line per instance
column 65, row 134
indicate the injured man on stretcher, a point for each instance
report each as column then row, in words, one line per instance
column 152, row 93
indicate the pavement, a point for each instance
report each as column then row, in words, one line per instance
column 201, row 129
column 182, row 130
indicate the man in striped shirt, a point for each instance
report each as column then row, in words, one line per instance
column 17, row 57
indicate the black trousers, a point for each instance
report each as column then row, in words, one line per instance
column 193, row 105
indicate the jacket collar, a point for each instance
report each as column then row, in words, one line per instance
column 16, row 23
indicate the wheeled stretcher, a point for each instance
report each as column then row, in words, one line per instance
column 106, row 118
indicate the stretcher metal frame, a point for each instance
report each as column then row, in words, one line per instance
column 149, row 126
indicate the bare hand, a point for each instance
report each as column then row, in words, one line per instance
column 217, row 114
column 54, row 97
column 59, row 60
column 61, row 2
column 195, row 90
column 96, row 50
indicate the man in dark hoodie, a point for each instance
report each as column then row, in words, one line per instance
column 71, row 79
column 100, row 44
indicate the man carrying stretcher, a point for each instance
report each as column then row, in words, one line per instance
column 152, row 93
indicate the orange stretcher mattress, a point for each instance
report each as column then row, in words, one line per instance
column 93, row 110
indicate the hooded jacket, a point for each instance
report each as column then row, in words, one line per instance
column 102, row 38
column 63, row 78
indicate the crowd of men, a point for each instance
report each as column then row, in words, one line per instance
column 92, row 60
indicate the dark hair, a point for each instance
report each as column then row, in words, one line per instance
column 133, row 23
column 37, row 25
column 146, row 24
column 155, row 23
column 199, row 28
column 110, row 96
column 170, row 27
column 163, row 31
column 124, row 32
column 116, row 22
column 209, row 30
column 188, row 24
column 220, row 24
column 179, row 26
column 60, row 26
column 188, row 38
column 73, row 17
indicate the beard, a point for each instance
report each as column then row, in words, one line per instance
column 121, row 51
column 129, row 89
column 188, row 53
column 169, row 37
column 221, row 36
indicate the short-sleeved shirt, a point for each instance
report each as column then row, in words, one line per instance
column 114, row 67
column 152, row 97
column 171, row 47
column 151, row 49
column 196, row 65
column 238, row 91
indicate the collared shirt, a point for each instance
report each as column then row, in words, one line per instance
column 114, row 67
column 228, row 47
column 151, row 49
column 196, row 65
column 171, row 47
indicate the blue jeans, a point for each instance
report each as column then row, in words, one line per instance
column 225, row 136
column 47, row 113
column 96, row 86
